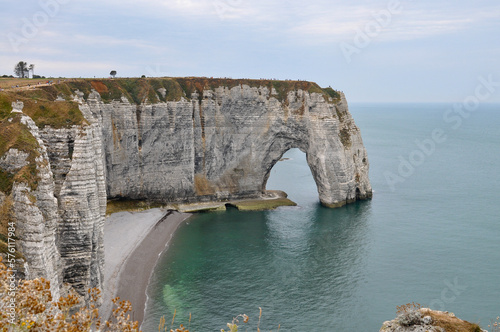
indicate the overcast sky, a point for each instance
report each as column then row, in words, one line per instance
column 394, row 50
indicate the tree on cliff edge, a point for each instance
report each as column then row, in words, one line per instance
column 113, row 73
column 21, row 69
column 31, row 69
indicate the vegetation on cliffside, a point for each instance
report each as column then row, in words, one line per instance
column 137, row 91
column 15, row 135
column 154, row 90
column 199, row 84
column 41, row 105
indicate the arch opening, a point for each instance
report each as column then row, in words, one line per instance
column 292, row 174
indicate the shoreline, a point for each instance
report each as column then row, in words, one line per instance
column 133, row 242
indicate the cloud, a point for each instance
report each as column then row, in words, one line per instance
column 410, row 23
column 187, row 9
column 345, row 27
column 110, row 41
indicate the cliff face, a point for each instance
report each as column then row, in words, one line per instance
column 58, row 206
column 167, row 140
column 36, row 219
column 222, row 143
column 76, row 160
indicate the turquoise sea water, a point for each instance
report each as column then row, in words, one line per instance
column 430, row 235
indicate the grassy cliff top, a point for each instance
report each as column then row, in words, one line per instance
column 40, row 105
column 139, row 90
column 136, row 90
column 198, row 84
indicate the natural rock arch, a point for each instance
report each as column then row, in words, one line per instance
column 222, row 146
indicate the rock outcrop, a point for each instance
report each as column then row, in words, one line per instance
column 166, row 140
column 76, row 159
column 427, row 320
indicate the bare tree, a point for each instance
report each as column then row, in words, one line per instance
column 21, row 69
column 32, row 69
column 113, row 73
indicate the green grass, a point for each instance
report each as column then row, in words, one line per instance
column 282, row 88
column 332, row 93
column 5, row 106
column 137, row 90
column 83, row 86
column 41, row 106
column 173, row 92
column 55, row 114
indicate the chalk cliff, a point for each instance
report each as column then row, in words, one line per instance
column 182, row 140
column 222, row 143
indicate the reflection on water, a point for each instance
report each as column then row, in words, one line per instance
column 318, row 264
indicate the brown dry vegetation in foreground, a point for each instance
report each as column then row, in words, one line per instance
column 449, row 323
column 31, row 308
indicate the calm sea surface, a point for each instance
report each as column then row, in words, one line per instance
column 431, row 235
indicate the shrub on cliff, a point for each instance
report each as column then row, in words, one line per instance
column 409, row 314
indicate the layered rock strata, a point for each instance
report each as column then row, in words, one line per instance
column 59, row 225
column 76, row 159
column 222, row 145
column 36, row 217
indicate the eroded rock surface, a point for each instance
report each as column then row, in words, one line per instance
column 222, row 145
